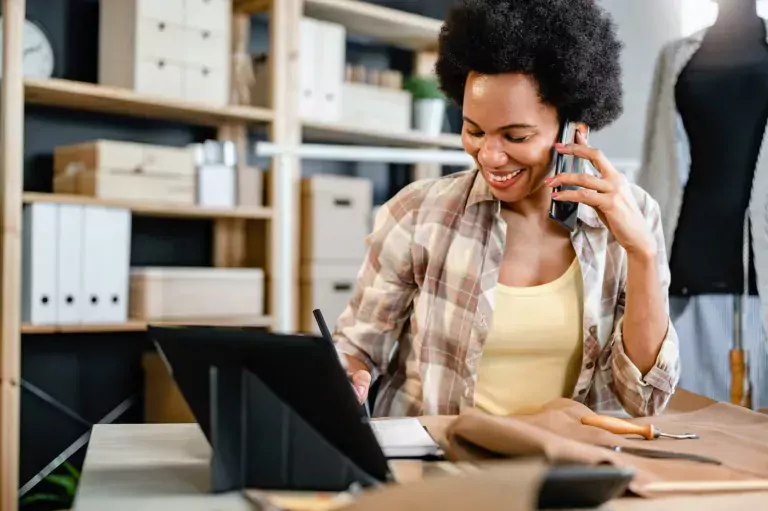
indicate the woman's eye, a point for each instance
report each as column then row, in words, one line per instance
column 475, row 134
column 516, row 140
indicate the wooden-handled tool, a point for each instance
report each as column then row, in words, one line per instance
column 622, row 427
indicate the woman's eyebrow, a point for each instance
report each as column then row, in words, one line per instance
column 508, row 126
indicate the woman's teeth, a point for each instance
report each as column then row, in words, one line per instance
column 505, row 177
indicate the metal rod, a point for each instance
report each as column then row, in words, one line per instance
column 364, row 154
column 76, row 445
column 43, row 395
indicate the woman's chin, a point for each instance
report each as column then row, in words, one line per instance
column 511, row 192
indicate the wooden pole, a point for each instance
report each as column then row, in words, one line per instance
column 11, row 152
column 285, row 172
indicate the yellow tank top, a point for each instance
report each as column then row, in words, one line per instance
column 533, row 352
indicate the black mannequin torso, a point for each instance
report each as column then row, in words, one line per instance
column 722, row 97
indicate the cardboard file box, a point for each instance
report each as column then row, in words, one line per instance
column 326, row 287
column 335, row 218
column 377, row 108
column 233, row 295
column 126, row 171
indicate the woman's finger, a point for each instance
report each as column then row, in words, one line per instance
column 595, row 156
column 582, row 180
column 590, row 198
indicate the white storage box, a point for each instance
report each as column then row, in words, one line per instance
column 233, row 295
column 171, row 48
column 327, row 287
column 335, row 218
column 376, row 108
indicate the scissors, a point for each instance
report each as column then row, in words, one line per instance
column 652, row 453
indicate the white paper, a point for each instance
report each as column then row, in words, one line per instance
column 404, row 438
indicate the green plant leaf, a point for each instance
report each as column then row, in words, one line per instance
column 67, row 482
column 422, row 87
column 43, row 497
column 72, row 470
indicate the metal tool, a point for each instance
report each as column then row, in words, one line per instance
column 622, row 427
column 665, row 455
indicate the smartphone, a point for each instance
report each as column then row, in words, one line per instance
column 565, row 213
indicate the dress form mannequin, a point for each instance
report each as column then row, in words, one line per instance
column 722, row 97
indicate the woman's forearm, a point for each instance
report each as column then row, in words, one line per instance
column 645, row 316
column 354, row 364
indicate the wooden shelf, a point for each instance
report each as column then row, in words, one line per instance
column 388, row 25
column 340, row 133
column 134, row 326
column 152, row 209
column 130, row 326
column 99, row 98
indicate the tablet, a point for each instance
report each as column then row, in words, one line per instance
column 302, row 372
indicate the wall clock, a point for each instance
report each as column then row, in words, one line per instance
column 38, row 57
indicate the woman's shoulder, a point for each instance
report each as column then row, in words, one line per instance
column 431, row 194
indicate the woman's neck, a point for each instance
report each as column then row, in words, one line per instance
column 535, row 205
column 737, row 14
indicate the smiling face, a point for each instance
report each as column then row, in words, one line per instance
column 510, row 133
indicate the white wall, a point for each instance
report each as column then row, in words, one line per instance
column 643, row 26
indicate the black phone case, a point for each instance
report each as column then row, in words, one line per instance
column 565, row 213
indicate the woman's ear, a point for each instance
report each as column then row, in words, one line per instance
column 583, row 129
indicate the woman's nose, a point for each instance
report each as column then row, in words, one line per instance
column 491, row 155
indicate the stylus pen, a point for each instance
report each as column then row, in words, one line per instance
column 327, row 336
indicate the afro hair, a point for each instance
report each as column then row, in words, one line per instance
column 569, row 48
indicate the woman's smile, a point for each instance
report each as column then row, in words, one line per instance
column 501, row 179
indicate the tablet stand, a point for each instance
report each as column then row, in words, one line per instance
column 258, row 441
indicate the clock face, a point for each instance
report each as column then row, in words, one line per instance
column 38, row 52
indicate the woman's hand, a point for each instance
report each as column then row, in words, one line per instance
column 361, row 382
column 611, row 197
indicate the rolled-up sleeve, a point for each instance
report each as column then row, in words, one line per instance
column 643, row 395
column 371, row 324
column 647, row 394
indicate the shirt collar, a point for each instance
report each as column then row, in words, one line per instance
column 481, row 192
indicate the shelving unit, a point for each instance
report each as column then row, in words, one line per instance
column 151, row 209
column 111, row 100
column 136, row 326
column 274, row 228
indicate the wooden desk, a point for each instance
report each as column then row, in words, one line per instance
column 139, row 467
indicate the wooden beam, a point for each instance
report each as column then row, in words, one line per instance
column 12, row 153
column 286, row 129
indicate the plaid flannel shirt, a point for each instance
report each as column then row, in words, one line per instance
column 423, row 303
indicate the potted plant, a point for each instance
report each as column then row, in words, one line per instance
column 66, row 484
column 428, row 104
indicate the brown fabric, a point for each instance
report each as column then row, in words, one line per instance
column 507, row 486
column 733, row 435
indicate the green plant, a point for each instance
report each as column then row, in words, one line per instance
column 422, row 87
column 67, row 486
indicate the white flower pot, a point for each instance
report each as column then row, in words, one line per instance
column 429, row 115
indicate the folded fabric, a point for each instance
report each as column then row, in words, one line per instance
column 735, row 436
column 508, row 486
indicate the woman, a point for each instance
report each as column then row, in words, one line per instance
column 470, row 295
